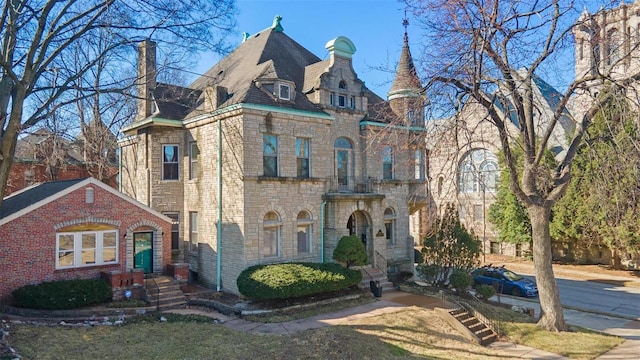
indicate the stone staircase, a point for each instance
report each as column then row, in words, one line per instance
column 482, row 332
column 370, row 273
column 164, row 293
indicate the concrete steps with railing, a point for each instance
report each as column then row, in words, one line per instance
column 370, row 273
column 482, row 333
column 164, row 293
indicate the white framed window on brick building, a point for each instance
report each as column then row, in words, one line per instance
column 270, row 155
column 305, row 231
column 86, row 248
column 194, row 153
column 303, row 157
column 272, row 226
column 193, row 231
column 170, row 162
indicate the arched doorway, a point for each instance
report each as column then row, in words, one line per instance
column 359, row 224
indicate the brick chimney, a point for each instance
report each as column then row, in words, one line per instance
column 146, row 77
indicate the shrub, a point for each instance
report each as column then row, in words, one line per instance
column 485, row 291
column 63, row 294
column 449, row 247
column 351, row 251
column 291, row 280
column 461, row 280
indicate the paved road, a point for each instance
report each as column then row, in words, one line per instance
column 599, row 297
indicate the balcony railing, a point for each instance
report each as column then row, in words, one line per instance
column 351, row 184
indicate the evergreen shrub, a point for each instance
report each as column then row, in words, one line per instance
column 63, row 294
column 292, row 280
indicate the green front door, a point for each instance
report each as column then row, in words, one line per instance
column 143, row 251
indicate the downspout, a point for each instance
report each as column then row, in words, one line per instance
column 219, row 225
column 119, row 150
column 322, row 231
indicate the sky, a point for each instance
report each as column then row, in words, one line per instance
column 374, row 26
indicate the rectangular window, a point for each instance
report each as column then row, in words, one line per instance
column 495, row 247
column 271, row 236
column 302, row 157
column 193, row 231
column 304, row 237
column 270, row 155
column 419, row 165
column 284, row 92
column 87, row 248
column 332, row 100
column 478, row 213
column 169, row 162
column 388, row 226
column 193, row 160
column 342, row 101
column 175, row 229
column 352, row 102
column 387, row 163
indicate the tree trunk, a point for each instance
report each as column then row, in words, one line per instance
column 551, row 316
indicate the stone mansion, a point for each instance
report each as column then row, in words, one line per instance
column 273, row 155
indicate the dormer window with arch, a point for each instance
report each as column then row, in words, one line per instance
column 342, row 85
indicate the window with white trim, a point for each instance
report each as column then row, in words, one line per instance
column 86, row 248
column 285, row 92
column 170, row 162
column 270, row 155
column 390, row 225
column 342, row 101
column 478, row 172
column 194, row 151
column 305, row 227
column 271, row 230
column 418, row 164
column 332, row 99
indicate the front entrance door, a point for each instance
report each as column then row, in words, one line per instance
column 143, row 251
column 359, row 225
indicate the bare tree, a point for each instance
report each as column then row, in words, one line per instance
column 491, row 53
column 40, row 39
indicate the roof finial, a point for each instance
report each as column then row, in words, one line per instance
column 245, row 36
column 405, row 23
column 276, row 24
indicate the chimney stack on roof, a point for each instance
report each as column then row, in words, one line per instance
column 146, row 77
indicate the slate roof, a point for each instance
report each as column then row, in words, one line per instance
column 23, row 199
column 406, row 74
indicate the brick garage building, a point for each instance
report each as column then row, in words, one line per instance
column 78, row 229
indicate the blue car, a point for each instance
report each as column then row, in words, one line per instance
column 504, row 281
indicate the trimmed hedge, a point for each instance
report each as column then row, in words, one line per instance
column 63, row 294
column 292, row 280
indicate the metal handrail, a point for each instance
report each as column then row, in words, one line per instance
column 378, row 256
column 493, row 324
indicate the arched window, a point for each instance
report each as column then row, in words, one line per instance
column 478, row 172
column 343, row 163
column 271, row 227
column 390, row 225
column 342, row 85
column 305, row 231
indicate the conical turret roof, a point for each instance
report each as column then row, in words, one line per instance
column 406, row 76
